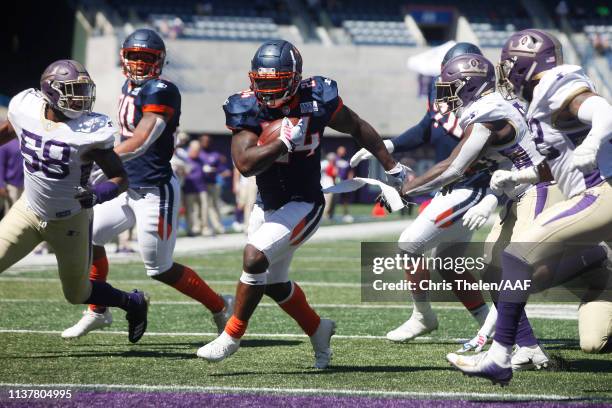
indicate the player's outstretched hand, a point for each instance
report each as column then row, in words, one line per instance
column 293, row 135
column 503, row 180
column 397, row 175
column 364, row 154
column 475, row 217
column 86, row 197
column 585, row 156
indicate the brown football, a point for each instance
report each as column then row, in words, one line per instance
column 271, row 130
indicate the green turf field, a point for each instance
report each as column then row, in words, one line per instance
column 275, row 355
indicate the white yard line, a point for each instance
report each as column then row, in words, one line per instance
column 534, row 311
column 296, row 391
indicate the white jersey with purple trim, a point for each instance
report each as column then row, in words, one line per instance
column 515, row 155
column 557, row 139
column 53, row 153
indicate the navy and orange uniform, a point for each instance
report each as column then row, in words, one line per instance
column 160, row 96
column 294, row 176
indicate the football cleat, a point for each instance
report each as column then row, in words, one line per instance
column 219, row 349
column 476, row 344
column 137, row 316
column 320, row 343
column 527, row 358
column 90, row 321
column 417, row 325
column 481, row 365
column 223, row 316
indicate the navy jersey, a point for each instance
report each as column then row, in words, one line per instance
column 294, row 176
column 152, row 168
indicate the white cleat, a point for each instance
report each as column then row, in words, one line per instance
column 223, row 316
column 219, row 349
column 476, row 344
column 417, row 325
column 90, row 321
column 320, row 343
column 527, row 358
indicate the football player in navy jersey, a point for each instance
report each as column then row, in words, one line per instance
column 287, row 170
column 149, row 112
column 439, row 225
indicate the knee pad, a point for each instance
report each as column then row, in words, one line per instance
column 254, row 279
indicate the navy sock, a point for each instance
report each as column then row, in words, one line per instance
column 104, row 294
column 524, row 334
column 508, row 317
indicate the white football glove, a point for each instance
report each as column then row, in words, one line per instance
column 503, row 180
column 397, row 175
column 293, row 135
column 476, row 344
column 585, row 155
column 97, row 176
column 477, row 216
column 364, row 154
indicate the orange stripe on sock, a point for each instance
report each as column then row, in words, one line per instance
column 298, row 308
column 236, row 327
column 193, row 286
column 98, row 272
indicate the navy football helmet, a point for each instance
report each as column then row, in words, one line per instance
column 142, row 54
column 460, row 49
column 68, row 88
column 276, row 72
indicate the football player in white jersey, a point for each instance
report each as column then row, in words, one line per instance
column 572, row 127
column 149, row 112
column 496, row 136
column 60, row 141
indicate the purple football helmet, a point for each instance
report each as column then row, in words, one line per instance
column 525, row 57
column 68, row 88
column 464, row 79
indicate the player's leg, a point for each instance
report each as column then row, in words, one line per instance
column 595, row 326
column 110, row 219
column 439, row 223
column 214, row 197
column 157, row 223
column 537, row 252
column 273, row 235
column 70, row 240
column 291, row 298
column 19, row 234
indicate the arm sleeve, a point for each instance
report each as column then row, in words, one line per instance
column 414, row 137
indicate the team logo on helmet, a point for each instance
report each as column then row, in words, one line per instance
column 473, row 67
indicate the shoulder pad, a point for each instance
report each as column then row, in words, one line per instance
column 558, row 85
column 17, row 101
column 324, row 89
column 241, row 111
column 240, row 103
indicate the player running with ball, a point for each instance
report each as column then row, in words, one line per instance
column 287, row 169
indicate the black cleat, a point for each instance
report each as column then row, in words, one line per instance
column 137, row 316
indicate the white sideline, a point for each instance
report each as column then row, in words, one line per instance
column 552, row 311
column 199, row 245
column 349, row 392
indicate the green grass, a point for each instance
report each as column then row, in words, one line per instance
column 33, row 301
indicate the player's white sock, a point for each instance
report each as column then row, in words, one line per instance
column 500, row 354
column 488, row 327
column 422, row 307
column 480, row 314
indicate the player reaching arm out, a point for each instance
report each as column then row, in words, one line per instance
column 148, row 130
column 347, row 121
column 110, row 164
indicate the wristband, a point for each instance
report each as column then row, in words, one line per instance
column 105, row 191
